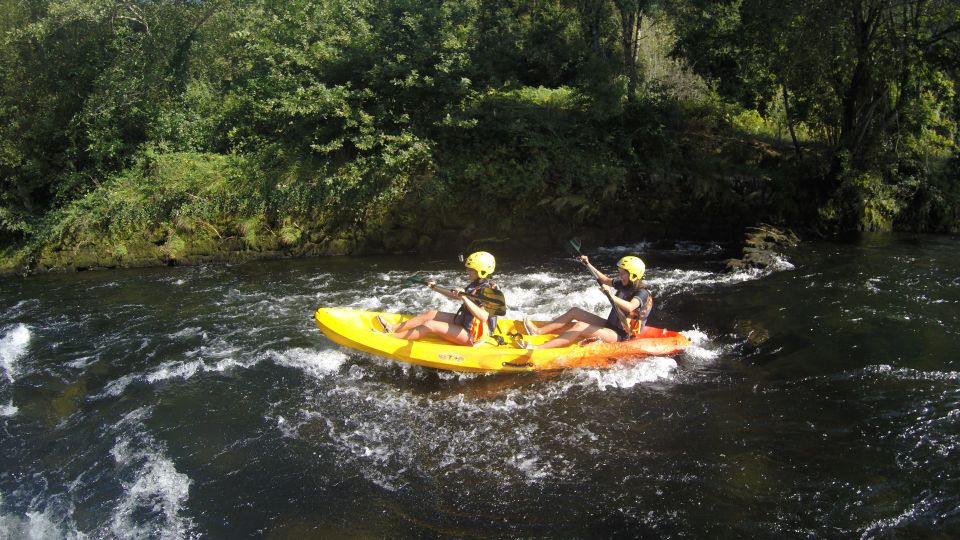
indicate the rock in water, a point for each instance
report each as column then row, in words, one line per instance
column 761, row 247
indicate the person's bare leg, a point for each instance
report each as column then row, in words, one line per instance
column 420, row 319
column 453, row 333
column 572, row 315
column 578, row 331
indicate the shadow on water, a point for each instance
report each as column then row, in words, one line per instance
column 442, row 386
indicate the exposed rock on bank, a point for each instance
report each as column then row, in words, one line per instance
column 170, row 247
column 762, row 247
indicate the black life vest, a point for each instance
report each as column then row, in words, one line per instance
column 637, row 318
column 463, row 316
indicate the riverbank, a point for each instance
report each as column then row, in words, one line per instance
column 226, row 242
column 542, row 173
column 182, row 208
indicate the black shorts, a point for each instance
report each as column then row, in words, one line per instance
column 621, row 333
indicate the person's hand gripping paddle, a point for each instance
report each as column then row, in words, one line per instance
column 573, row 247
column 490, row 299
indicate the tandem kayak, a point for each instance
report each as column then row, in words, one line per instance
column 359, row 330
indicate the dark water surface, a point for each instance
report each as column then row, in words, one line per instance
column 819, row 400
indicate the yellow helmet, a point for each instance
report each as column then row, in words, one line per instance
column 634, row 266
column 482, row 262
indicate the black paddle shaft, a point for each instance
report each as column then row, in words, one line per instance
column 573, row 245
column 488, row 298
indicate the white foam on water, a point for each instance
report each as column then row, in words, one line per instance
column 877, row 528
column 154, row 498
column 909, row 374
column 8, row 410
column 627, row 375
column 532, row 468
column 701, row 347
column 696, row 336
column 679, row 280
column 781, row 264
column 368, row 304
column 49, row 524
column 542, row 280
column 167, row 371
column 83, row 361
column 106, row 285
column 159, row 489
column 317, row 364
column 218, row 349
column 42, row 525
column 227, row 363
column 176, row 370
column 546, row 306
column 116, row 387
column 288, row 429
column 382, row 450
column 458, row 375
column 285, row 306
column 357, row 372
column 13, row 346
column 384, row 439
column 192, row 331
column 323, row 279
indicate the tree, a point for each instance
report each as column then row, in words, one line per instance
column 865, row 73
column 631, row 14
column 83, row 81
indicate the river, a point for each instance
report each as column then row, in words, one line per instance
column 821, row 398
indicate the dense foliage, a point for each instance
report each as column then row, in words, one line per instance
column 875, row 80
column 332, row 125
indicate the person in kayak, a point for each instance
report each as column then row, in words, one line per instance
column 470, row 325
column 629, row 293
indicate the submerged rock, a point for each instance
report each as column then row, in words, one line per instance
column 754, row 332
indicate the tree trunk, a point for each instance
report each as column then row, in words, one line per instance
column 591, row 15
column 793, row 133
column 859, row 99
column 631, row 20
column 628, row 40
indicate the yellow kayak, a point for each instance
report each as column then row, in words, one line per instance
column 359, row 330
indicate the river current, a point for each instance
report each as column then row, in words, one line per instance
column 821, row 399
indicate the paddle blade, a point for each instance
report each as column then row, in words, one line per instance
column 573, row 247
column 492, row 296
column 496, row 310
column 491, row 300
